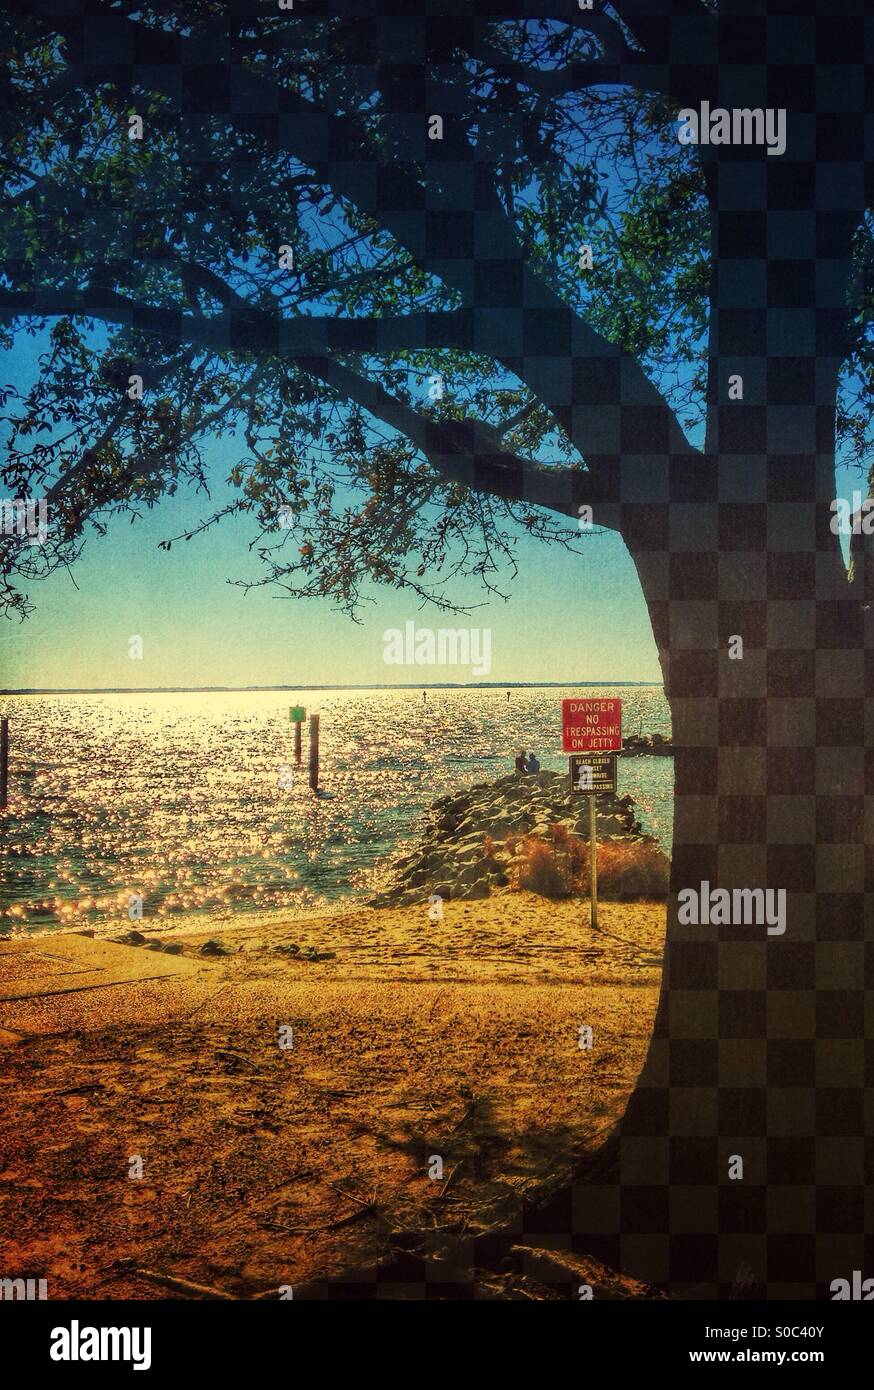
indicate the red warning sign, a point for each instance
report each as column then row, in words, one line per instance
column 591, row 726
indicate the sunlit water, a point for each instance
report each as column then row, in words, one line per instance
column 177, row 797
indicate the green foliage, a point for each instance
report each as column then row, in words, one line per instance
column 189, row 221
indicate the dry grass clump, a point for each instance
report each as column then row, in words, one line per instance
column 559, row 866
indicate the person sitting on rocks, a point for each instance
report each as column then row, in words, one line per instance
column 533, row 764
column 521, row 763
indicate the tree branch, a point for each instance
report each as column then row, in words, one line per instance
column 470, row 453
column 619, row 65
column 597, row 431
column 245, row 327
column 152, row 377
column 680, row 32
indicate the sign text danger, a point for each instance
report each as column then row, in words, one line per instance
column 591, row 725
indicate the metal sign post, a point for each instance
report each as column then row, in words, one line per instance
column 593, row 851
column 593, row 774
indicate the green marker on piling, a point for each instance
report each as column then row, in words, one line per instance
column 297, row 714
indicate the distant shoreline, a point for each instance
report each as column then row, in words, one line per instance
column 251, row 689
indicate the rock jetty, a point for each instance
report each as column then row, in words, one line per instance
column 451, row 858
column 635, row 746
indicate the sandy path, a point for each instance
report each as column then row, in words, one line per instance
column 264, row 1166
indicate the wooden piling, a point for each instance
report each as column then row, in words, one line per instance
column 314, row 752
column 4, row 761
column 297, row 714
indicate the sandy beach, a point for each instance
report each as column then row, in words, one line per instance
column 265, row 1166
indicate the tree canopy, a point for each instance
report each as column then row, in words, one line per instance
column 297, row 258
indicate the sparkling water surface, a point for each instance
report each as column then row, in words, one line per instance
column 184, row 798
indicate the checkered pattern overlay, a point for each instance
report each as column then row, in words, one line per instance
column 760, row 1048
column 760, row 1051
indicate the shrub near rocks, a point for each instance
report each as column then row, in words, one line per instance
column 552, row 868
column 561, row 866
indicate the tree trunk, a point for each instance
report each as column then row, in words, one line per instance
column 758, row 1051
column 741, row 1162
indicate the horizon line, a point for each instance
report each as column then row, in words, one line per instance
column 243, row 689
